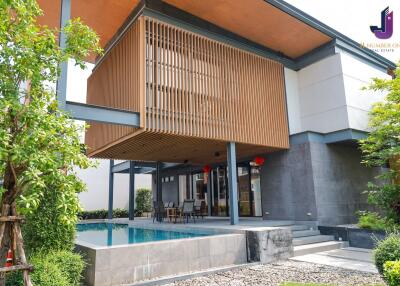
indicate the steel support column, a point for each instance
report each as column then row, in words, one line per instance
column 110, row 190
column 209, row 182
column 131, row 190
column 158, row 187
column 158, row 182
column 62, row 80
column 232, row 183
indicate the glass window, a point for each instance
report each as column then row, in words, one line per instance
column 244, row 191
column 219, row 192
column 256, row 190
column 199, row 186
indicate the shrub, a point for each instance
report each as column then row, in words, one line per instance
column 61, row 268
column 46, row 228
column 387, row 250
column 118, row 213
column 102, row 214
column 373, row 221
column 143, row 200
column 71, row 264
column 391, row 273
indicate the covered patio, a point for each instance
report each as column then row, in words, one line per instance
column 139, row 167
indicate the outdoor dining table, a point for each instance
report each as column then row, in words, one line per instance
column 173, row 213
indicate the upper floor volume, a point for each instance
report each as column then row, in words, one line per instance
column 188, row 89
column 200, row 74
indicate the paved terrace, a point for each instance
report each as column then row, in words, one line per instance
column 217, row 224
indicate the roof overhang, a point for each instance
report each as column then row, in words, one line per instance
column 104, row 16
column 281, row 30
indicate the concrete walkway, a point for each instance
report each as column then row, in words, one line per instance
column 349, row 258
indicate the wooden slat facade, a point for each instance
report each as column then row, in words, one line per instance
column 117, row 83
column 186, row 86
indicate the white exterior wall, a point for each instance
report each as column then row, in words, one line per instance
column 293, row 101
column 328, row 96
column 357, row 74
column 97, row 179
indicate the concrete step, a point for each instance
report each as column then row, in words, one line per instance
column 312, row 239
column 303, row 233
column 318, row 247
column 296, row 227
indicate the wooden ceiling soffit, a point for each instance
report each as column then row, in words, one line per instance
column 152, row 146
column 105, row 17
column 255, row 20
column 258, row 21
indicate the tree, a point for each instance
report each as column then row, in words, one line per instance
column 382, row 147
column 39, row 144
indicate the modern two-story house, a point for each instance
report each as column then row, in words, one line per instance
column 258, row 105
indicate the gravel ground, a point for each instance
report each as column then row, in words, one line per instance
column 275, row 274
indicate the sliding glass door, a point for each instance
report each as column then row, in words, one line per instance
column 256, row 191
column 249, row 191
column 244, row 191
column 219, row 192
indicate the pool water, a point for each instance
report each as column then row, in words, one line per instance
column 108, row 234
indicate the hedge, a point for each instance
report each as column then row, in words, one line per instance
column 102, row 214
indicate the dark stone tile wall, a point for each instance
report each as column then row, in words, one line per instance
column 315, row 181
column 339, row 182
column 287, row 185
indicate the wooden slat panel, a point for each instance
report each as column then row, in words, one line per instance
column 185, row 84
column 117, row 83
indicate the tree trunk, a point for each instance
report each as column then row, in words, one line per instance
column 5, row 240
column 10, row 232
column 6, row 202
column 20, row 247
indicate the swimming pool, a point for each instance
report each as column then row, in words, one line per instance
column 109, row 234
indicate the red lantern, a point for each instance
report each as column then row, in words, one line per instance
column 206, row 170
column 259, row 161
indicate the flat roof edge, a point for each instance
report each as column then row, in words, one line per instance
column 313, row 22
column 338, row 43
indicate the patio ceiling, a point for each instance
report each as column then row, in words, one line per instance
column 153, row 146
column 255, row 20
